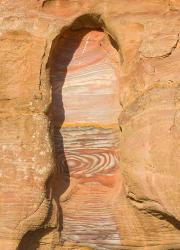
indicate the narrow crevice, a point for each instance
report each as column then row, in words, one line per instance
column 163, row 216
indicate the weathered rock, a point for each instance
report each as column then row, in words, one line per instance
column 90, row 118
column 90, row 133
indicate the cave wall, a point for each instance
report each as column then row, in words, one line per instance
column 85, row 101
column 143, row 193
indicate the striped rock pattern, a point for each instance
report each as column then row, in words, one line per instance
column 85, row 103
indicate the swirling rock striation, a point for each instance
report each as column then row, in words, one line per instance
column 90, row 107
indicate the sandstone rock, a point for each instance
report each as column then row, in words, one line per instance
column 90, row 124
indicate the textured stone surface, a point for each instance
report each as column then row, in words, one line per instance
column 90, row 133
column 90, row 124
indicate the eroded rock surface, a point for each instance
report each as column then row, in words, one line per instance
column 90, row 133
column 90, row 124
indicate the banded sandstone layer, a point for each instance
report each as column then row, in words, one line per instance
column 89, row 108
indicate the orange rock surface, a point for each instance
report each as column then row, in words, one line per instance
column 90, row 124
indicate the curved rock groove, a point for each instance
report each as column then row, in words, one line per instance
column 85, row 106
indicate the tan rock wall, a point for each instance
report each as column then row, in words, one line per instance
column 144, row 198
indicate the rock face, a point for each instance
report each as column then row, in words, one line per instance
column 90, row 134
column 90, row 124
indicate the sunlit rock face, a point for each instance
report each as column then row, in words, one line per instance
column 24, row 163
column 89, row 122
